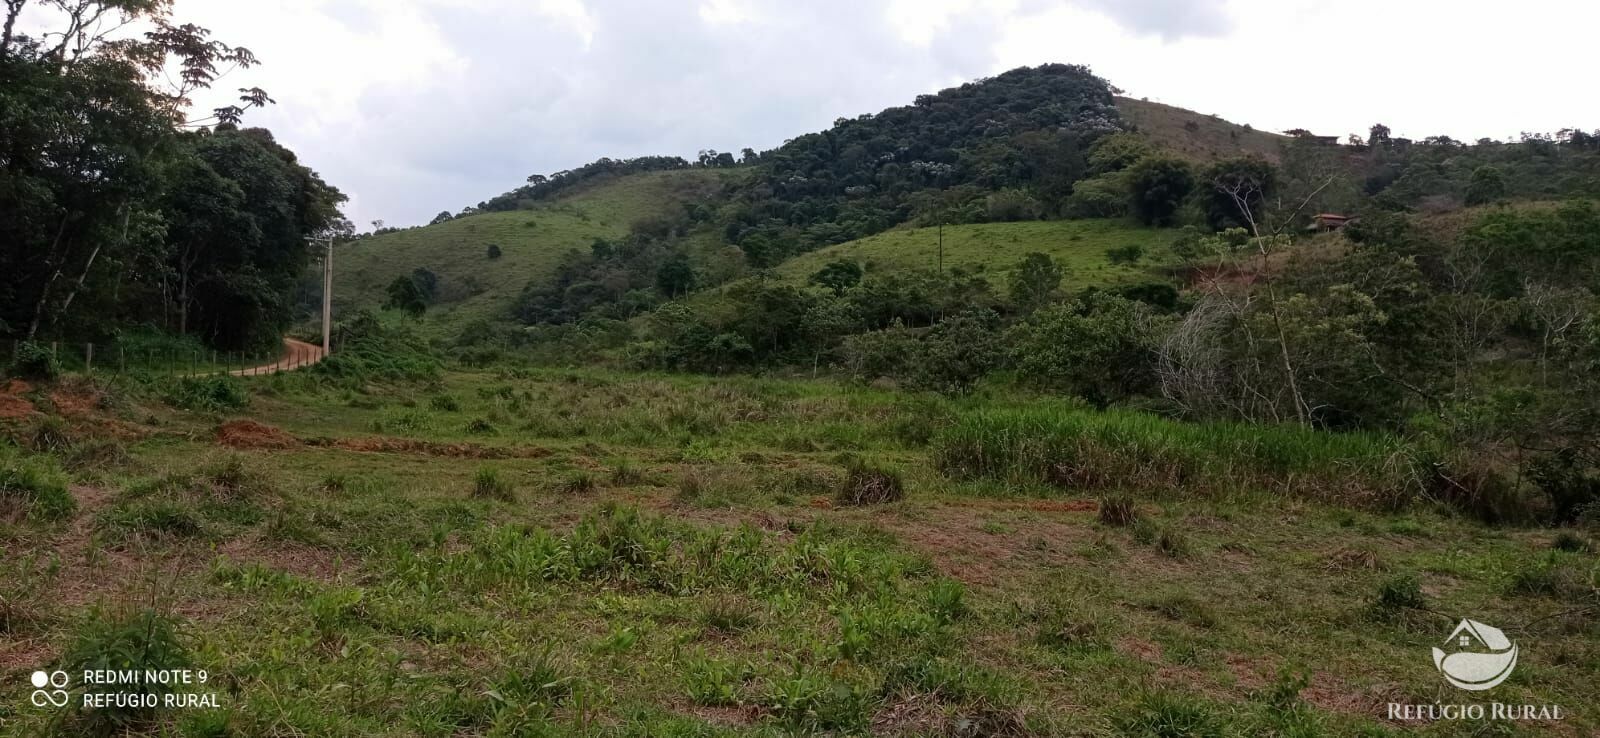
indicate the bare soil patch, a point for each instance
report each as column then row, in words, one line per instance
column 246, row 433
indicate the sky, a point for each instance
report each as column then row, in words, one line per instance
column 412, row 107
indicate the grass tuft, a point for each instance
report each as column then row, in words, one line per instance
column 1118, row 511
column 866, row 484
column 33, row 487
column 487, row 484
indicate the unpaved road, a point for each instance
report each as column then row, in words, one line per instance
column 296, row 354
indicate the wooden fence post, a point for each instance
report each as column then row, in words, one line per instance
column 88, row 357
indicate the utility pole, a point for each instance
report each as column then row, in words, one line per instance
column 327, row 297
column 941, row 247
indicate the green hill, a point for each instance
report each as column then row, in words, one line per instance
column 994, row 248
column 473, row 286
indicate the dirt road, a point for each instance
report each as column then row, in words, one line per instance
column 296, row 354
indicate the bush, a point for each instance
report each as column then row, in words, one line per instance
column 215, row 394
column 865, row 484
column 35, row 361
column 371, row 350
column 1130, row 254
column 34, row 485
column 1396, row 595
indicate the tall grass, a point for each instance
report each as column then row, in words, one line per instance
column 1130, row 450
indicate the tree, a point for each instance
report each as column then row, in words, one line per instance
column 676, row 277
column 1487, row 185
column 444, row 216
column 1034, row 281
column 1236, row 191
column 1100, row 347
column 405, row 296
column 1378, row 136
column 1159, row 186
column 958, row 352
column 104, row 195
column 427, row 282
column 838, row 276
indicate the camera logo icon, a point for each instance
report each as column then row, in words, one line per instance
column 50, row 689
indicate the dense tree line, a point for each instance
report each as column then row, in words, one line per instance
column 116, row 209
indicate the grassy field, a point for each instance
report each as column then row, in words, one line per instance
column 1197, row 137
column 993, row 249
column 473, row 286
column 594, row 553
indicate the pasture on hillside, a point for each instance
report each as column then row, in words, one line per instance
column 552, row 552
column 472, row 285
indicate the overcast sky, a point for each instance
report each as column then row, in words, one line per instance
column 417, row 106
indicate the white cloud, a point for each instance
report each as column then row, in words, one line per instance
column 414, row 106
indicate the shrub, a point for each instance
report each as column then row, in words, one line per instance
column 1130, row 254
column 371, row 350
column 488, row 485
column 35, row 361
column 479, row 427
column 217, row 393
column 865, row 484
column 35, row 486
column 444, row 403
column 139, row 640
column 1396, row 595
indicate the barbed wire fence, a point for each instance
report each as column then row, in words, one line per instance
column 118, row 358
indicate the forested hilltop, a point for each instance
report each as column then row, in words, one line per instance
column 121, row 209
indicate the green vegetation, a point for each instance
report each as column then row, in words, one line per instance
column 1048, row 473
column 530, row 243
column 771, row 600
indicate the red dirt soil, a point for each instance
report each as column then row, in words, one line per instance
column 13, row 406
column 246, row 433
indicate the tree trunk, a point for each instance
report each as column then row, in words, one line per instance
column 127, row 213
column 44, row 292
column 13, row 9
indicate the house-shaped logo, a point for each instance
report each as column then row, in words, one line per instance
column 1483, row 656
